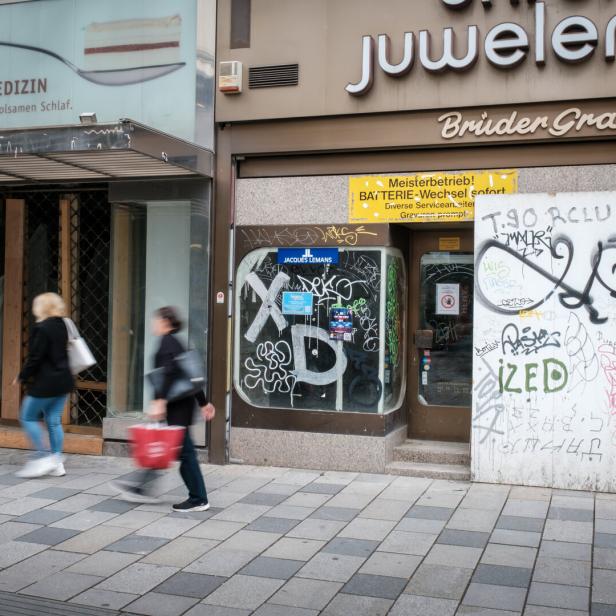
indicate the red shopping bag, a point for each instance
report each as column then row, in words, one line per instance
column 155, row 446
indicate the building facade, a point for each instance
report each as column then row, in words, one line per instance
column 418, row 240
column 106, row 163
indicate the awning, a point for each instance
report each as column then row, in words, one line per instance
column 98, row 152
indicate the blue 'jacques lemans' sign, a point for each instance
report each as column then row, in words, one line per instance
column 307, row 256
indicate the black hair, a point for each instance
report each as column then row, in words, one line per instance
column 170, row 314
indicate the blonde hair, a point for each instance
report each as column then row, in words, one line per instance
column 48, row 305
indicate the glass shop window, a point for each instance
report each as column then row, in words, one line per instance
column 327, row 337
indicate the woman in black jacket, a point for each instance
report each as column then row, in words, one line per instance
column 49, row 381
column 166, row 323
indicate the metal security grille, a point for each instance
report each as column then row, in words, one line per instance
column 90, row 237
column 42, row 252
column 67, row 248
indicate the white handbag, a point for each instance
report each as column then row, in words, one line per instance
column 80, row 357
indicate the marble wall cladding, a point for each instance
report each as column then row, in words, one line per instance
column 323, row 200
column 342, row 452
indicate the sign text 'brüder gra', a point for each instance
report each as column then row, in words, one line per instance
column 506, row 45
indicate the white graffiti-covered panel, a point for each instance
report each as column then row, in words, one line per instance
column 544, row 369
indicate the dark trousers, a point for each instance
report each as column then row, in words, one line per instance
column 190, row 472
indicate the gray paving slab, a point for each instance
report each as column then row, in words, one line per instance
column 454, row 556
column 42, row 516
column 137, row 578
column 604, row 558
column 421, row 525
column 605, row 526
column 602, row 609
column 356, row 605
column 471, row 610
column 571, row 551
column 408, row 543
column 331, row 567
column 276, row 568
column 495, row 597
column 61, row 586
column 93, row 540
column 471, row 539
column 323, row 488
column 13, row 530
column 113, row 505
column 386, row 509
column 190, row 585
column 84, row 520
column 220, row 562
column 572, row 532
column 439, row 581
column 430, row 513
column 55, row 493
column 240, row 512
column 570, row 515
column 509, row 556
column 269, row 609
column 377, row 586
column 313, row 528
column 415, row 605
column 521, row 523
column 268, row 524
column 542, row 610
column 15, row 551
column 137, row 544
column 104, row 599
column 308, row 499
column 35, row 568
column 558, row 595
column 340, row 514
column 605, row 540
column 102, row 564
column 244, row 592
column 306, row 593
column 215, row 529
column 562, row 571
column 48, row 536
column 295, row 549
column 499, row 575
column 394, row 565
column 604, row 586
column 516, row 537
column 263, row 498
column 479, row 520
column 155, row 604
column 180, row 552
column 351, row 547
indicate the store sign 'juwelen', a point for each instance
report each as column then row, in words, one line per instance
column 506, row 45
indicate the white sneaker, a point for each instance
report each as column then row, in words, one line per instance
column 38, row 467
column 58, row 471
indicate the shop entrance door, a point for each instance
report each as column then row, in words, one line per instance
column 60, row 242
column 441, row 330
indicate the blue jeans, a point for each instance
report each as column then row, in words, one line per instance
column 49, row 409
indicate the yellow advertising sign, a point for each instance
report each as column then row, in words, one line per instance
column 425, row 197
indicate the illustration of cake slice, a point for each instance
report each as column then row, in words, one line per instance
column 130, row 43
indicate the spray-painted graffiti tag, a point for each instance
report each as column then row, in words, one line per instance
column 545, row 399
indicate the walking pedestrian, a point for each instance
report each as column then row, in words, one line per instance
column 47, row 375
column 165, row 324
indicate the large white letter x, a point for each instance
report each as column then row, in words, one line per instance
column 268, row 304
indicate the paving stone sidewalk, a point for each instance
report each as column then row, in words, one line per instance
column 281, row 542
